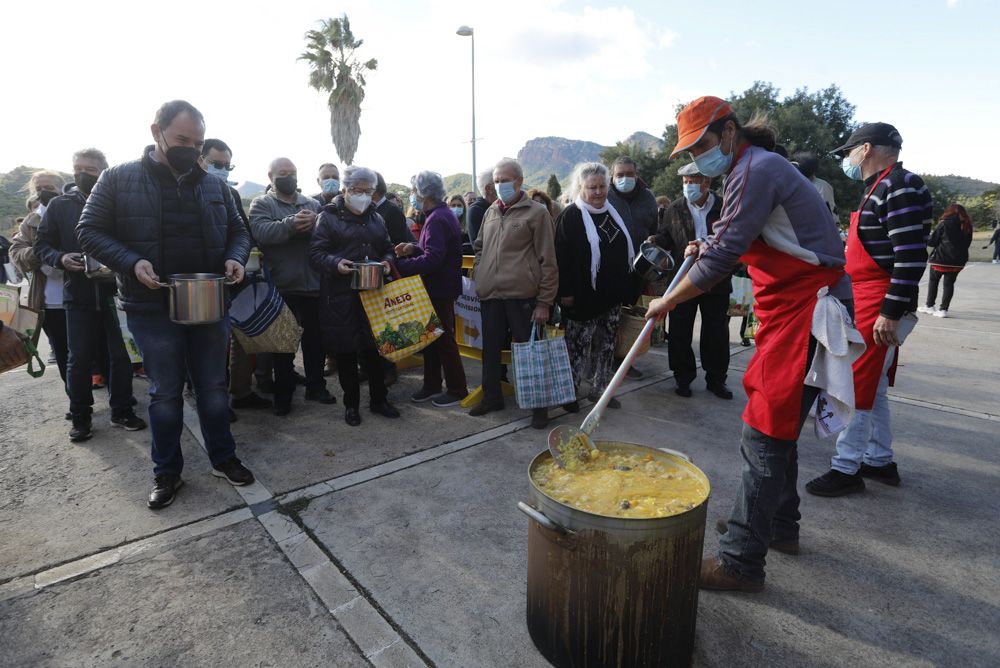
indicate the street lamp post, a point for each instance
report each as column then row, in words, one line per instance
column 466, row 31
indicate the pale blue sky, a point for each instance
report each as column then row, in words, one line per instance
column 93, row 74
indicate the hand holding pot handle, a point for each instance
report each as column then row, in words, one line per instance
column 144, row 272
column 345, row 266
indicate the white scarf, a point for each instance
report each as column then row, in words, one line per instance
column 595, row 242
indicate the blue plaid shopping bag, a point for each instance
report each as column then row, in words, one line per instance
column 542, row 374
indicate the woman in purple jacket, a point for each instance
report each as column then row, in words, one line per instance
column 437, row 259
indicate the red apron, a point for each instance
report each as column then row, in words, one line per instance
column 871, row 283
column 784, row 289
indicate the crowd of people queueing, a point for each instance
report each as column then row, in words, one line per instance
column 173, row 211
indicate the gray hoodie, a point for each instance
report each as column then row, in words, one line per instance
column 767, row 198
column 285, row 252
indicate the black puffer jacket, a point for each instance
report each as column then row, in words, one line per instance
column 950, row 243
column 121, row 224
column 57, row 237
column 343, row 235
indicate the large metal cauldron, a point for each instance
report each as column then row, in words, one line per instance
column 605, row 591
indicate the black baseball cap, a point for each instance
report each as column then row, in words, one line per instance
column 877, row 134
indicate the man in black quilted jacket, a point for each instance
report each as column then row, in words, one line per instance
column 147, row 220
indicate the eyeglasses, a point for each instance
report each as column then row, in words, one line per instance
column 360, row 191
column 218, row 164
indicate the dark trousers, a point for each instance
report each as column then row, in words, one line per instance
column 766, row 507
column 443, row 354
column 170, row 352
column 949, row 287
column 54, row 326
column 499, row 317
column 713, row 343
column 306, row 310
column 89, row 331
column 350, row 382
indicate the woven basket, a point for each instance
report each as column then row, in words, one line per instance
column 281, row 336
column 632, row 321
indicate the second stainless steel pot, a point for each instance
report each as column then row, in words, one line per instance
column 652, row 262
column 367, row 275
column 197, row 299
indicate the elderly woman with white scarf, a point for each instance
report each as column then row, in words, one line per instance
column 594, row 252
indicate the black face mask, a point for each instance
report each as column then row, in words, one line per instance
column 84, row 181
column 286, row 185
column 46, row 196
column 181, row 158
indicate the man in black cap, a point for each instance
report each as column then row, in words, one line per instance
column 886, row 256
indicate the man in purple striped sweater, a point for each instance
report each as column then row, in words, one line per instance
column 886, row 256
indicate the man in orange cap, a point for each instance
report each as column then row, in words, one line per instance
column 774, row 221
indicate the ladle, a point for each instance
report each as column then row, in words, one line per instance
column 567, row 441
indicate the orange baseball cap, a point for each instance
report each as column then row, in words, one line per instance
column 695, row 118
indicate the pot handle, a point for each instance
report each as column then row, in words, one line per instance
column 230, row 282
column 540, row 517
column 164, row 285
column 682, row 455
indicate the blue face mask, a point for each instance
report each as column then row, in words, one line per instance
column 625, row 184
column 506, row 191
column 415, row 203
column 714, row 162
column 215, row 171
column 331, row 186
column 852, row 171
column 692, row 192
column 458, row 211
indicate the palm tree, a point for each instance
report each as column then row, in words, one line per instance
column 335, row 69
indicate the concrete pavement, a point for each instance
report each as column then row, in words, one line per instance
column 399, row 543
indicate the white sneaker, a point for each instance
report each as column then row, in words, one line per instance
column 940, row 314
column 925, row 309
column 996, row 261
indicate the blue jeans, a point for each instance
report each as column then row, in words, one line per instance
column 868, row 437
column 169, row 353
column 86, row 331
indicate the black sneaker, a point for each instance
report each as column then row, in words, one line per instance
column 129, row 421
column 164, row 490
column 385, row 409
column 299, row 378
column 683, row 389
column 252, row 401
column 352, row 416
column 484, row 407
column 887, row 474
column 539, row 418
column 634, row 374
column 321, row 396
column 233, row 471
column 572, row 407
column 835, row 483
column 81, row 430
column 282, row 407
column 422, row 395
column 447, row 400
column 720, row 390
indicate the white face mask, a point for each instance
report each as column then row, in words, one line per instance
column 359, row 203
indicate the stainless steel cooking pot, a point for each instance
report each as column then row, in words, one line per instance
column 367, row 275
column 95, row 270
column 197, row 299
column 652, row 262
column 609, row 591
